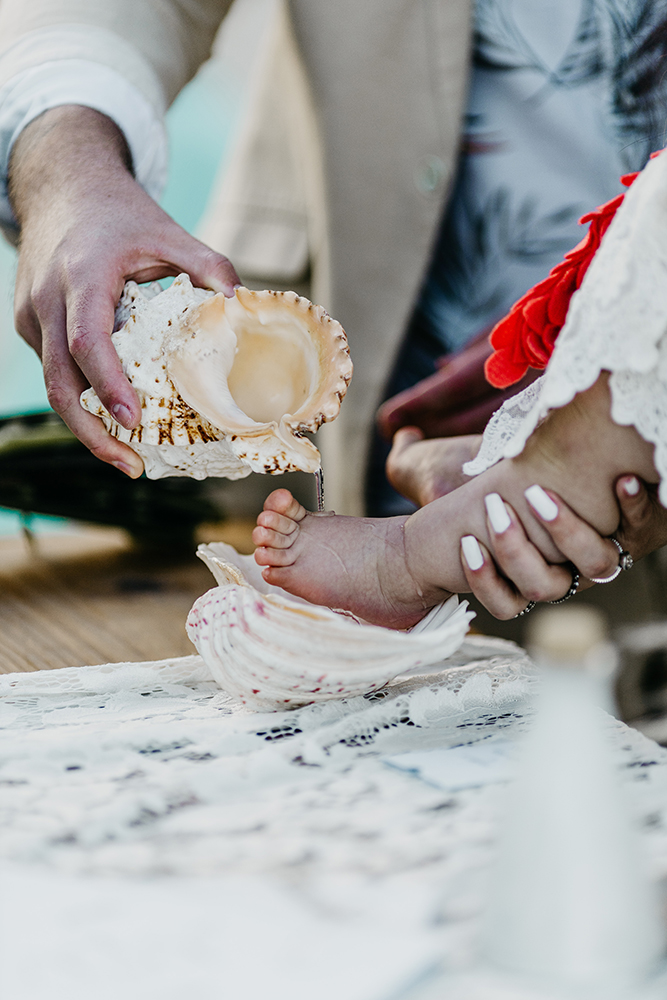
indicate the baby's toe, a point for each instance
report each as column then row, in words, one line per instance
column 278, row 522
column 284, row 503
column 266, row 555
column 270, row 538
column 277, row 576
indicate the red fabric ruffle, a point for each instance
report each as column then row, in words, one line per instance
column 525, row 338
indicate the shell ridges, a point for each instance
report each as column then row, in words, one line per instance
column 272, row 651
column 228, row 385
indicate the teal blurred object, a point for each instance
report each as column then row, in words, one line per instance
column 200, row 124
column 21, row 383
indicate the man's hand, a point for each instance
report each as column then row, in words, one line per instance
column 87, row 227
column 456, row 400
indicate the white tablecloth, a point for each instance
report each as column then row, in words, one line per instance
column 158, row 840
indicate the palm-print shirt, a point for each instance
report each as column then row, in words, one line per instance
column 565, row 96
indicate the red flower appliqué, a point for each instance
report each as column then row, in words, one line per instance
column 525, row 338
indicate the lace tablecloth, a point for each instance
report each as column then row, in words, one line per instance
column 159, row 840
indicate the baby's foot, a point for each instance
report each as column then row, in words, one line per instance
column 353, row 563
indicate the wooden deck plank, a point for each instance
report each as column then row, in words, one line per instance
column 74, row 598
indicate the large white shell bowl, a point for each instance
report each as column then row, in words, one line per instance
column 274, row 651
column 227, row 385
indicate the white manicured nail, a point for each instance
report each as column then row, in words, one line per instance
column 541, row 502
column 632, row 486
column 497, row 511
column 472, row 552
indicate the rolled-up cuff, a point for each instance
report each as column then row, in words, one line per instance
column 77, row 81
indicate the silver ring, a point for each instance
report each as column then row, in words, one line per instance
column 574, row 587
column 529, row 607
column 625, row 561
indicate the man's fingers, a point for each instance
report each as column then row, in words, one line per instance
column 215, row 272
column 27, row 325
column 206, row 268
column 91, row 229
column 64, row 384
column 593, row 555
column 25, row 319
column 90, row 316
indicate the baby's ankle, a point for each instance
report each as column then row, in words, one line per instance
column 433, row 574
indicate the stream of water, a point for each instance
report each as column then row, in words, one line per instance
column 319, row 482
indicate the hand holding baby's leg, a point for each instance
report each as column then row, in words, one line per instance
column 392, row 570
column 515, row 572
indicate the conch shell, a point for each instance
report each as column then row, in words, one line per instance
column 273, row 651
column 228, row 386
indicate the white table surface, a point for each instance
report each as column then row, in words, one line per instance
column 157, row 840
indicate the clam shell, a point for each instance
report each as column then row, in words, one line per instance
column 273, row 651
column 227, row 386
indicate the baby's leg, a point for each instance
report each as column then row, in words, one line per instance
column 343, row 562
column 389, row 571
column 392, row 570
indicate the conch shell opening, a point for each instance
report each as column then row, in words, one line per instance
column 227, row 385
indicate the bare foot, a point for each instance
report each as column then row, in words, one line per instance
column 354, row 563
column 423, row 470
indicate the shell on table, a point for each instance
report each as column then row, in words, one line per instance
column 227, row 386
column 274, row 651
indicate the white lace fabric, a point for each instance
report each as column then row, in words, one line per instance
column 114, row 768
column 617, row 323
column 151, row 771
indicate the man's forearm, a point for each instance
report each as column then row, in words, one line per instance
column 63, row 149
column 87, row 227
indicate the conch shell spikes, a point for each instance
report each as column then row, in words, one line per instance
column 228, row 386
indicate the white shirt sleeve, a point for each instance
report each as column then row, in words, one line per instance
column 93, row 85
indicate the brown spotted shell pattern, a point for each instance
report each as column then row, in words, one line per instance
column 227, row 386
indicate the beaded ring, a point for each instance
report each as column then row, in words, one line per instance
column 625, row 561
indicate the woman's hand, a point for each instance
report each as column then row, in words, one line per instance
column 516, row 572
column 86, row 228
